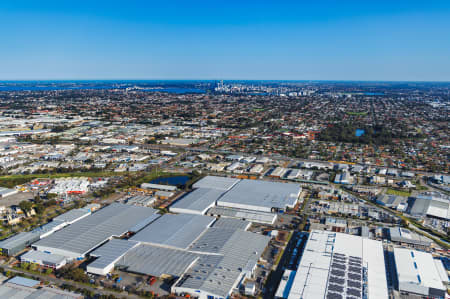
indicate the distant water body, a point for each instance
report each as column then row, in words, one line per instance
column 374, row 93
column 359, row 132
column 176, row 90
column 174, row 180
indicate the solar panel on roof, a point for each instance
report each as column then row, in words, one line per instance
column 354, row 276
column 354, row 292
column 355, row 258
column 336, row 288
column 337, row 280
column 334, row 296
column 338, row 258
column 354, row 284
column 338, row 272
column 354, row 269
column 338, row 266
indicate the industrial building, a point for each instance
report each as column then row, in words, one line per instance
column 343, row 178
column 5, row 192
column 73, row 216
column 158, row 187
column 70, row 186
column 174, row 231
column 81, row 237
column 258, row 195
column 228, row 259
column 54, row 261
column 403, row 235
column 18, row 242
column 216, row 182
column 392, row 201
column 108, row 254
column 431, row 204
column 24, row 288
column 418, row 273
column 49, row 228
column 252, row 216
column 141, row 200
column 246, row 195
column 197, row 202
column 337, row 265
column 208, row 257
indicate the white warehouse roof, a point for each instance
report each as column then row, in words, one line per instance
column 197, row 201
column 261, row 195
column 335, row 265
column 216, row 182
column 108, row 254
column 417, row 272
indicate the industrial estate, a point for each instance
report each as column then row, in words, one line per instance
column 215, row 190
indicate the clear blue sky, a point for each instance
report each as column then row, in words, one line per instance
column 297, row 40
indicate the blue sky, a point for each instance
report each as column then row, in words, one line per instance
column 291, row 40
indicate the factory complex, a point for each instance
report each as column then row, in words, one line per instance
column 207, row 247
column 207, row 257
column 230, row 197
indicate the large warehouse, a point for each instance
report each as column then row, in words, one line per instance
column 262, row 196
column 81, row 237
column 337, row 265
column 18, row 242
column 174, row 231
column 246, row 195
column 198, row 201
column 209, row 257
column 431, row 204
column 418, row 273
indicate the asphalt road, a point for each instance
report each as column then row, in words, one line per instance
column 275, row 277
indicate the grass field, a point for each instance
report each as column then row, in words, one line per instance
column 10, row 181
column 398, row 192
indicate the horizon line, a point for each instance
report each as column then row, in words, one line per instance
column 227, row 79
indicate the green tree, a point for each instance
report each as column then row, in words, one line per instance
column 25, row 206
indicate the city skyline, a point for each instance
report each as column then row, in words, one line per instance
column 404, row 41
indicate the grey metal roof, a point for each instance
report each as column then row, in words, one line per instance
column 110, row 252
column 230, row 223
column 253, row 216
column 12, row 291
column 23, row 281
column 216, row 182
column 48, row 227
column 72, row 215
column 400, row 234
column 217, row 274
column 42, row 256
column 213, row 240
column 144, row 223
column 156, row 261
column 89, row 232
column 260, row 193
column 19, row 239
column 198, row 200
column 420, row 206
column 174, row 230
